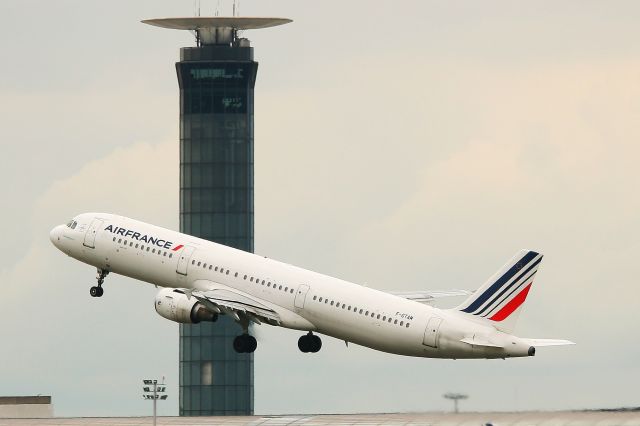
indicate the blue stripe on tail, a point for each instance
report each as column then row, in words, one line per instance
column 501, row 281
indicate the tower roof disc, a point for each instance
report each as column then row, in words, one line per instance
column 202, row 22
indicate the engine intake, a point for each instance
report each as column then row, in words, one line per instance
column 176, row 306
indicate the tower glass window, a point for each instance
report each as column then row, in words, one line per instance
column 216, row 203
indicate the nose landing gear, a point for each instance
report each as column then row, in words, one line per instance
column 98, row 291
column 309, row 343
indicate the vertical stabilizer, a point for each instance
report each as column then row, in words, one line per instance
column 500, row 299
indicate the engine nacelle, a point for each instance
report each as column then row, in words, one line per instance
column 175, row 306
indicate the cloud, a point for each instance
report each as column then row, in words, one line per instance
column 61, row 340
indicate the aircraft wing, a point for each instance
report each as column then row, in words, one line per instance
column 239, row 306
column 428, row 296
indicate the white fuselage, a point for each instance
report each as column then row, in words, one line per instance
column 305, row 300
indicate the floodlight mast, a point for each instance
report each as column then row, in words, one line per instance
column 153, row 394
column 455, row 397
column 217, row 30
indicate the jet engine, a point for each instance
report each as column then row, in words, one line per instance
column 176, row 306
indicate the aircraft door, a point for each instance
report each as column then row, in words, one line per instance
column 431, row 333
column 301, row 295
column 90, row 235
column 183, row 260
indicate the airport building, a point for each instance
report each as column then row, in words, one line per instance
column 216, row 80
column 31, row 407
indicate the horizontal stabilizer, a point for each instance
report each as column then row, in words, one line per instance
column 548, row 342
column 427, row 296
column 480, row 342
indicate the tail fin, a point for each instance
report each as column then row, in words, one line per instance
column 500, row 299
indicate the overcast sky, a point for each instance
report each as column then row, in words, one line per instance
column 405, row 145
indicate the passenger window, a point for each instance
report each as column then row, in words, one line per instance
column 320, row 300
column 114, row 239
column 390, row 320
column 343, row 306
column 407, row 325
column 395, row 321
column 137, row 245
column 193, row 262
column 131, row 244
column 291, row 291
column 263, row 283
column 251, row 279
column 148, row 248
column 125, row 242
column 384, row 318
column 227, row 272
column 164, row 253
column 236, row 275
column 142, row 248
column 245, row 277
column 326, row 300
column 222, row 270
column 360, row 311
column 378, row 316
column 314, row 297
column 170, row 255
column 286, row 289
column 154, row 250
column 280, row 288
column 119, row 240
column 204, row 265
column 210, row 267
column 216, row 269
column 269, row 285
column 198, row 262
column 366, row 313
column 332, row 303
column 401, row 323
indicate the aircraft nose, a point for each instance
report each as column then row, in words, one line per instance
column 55, row 235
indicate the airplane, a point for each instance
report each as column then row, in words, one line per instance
column 202, row 280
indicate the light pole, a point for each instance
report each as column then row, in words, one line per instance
column 152, row 390
column 455, row 397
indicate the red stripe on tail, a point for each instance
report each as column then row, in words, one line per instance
column 511, row 306
column 178, row 247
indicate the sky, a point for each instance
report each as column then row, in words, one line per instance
column 406, row 145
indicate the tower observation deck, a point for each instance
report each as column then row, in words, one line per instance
column 216, row 80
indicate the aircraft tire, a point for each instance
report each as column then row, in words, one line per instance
column 317, row 343
column 95, row 291
column 100, row 292
column 252, row 344
column 239, row 344
column 303, row 344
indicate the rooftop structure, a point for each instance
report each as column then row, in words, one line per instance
column 216, row 30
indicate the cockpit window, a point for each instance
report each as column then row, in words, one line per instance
column 72, row 224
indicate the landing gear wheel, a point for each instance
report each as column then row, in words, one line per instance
column 309, row 343
column 245, row 343
column 303, row 344
column 317, row 344
column 98, row 291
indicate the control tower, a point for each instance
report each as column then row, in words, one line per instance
column 216, row 80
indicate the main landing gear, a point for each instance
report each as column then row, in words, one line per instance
column 245, row 344
column 98, row 291
column 309, row 343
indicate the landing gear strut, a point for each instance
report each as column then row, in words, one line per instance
column 245, row 344
column 309, row 343
column 98, row 291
